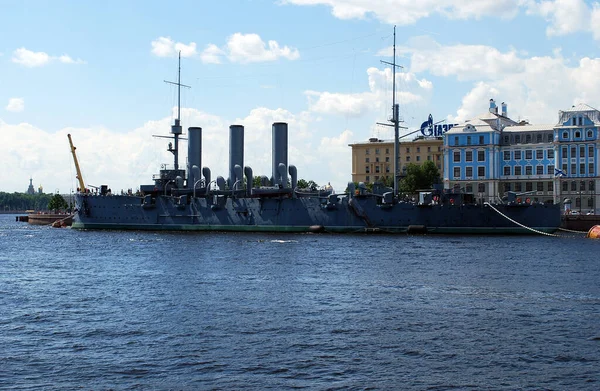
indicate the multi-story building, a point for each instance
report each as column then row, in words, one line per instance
column 494, row 154
column 373, row 160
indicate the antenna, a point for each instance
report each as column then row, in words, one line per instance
column 176, row 129
column 395, row 118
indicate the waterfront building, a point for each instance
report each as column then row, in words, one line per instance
column 373, row 160
column 494, row 154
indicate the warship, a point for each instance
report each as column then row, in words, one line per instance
column 191, row 200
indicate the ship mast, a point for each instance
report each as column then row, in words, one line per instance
column 395, row 120
column 176, row 129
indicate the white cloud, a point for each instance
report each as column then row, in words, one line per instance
column 246, row 48
column 405, row 12
column 564, row 16
column 212, row 54
column 15, row 105
column 32, row 59
column 413, row 91
column 166, row 47
column 534, row 88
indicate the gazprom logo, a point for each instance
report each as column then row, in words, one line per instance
column 429, row 129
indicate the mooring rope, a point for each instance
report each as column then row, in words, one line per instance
column 516, row 222
column 571, row 230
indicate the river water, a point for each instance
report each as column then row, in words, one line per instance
column 110, row 310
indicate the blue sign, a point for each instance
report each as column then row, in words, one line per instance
column 429, row 129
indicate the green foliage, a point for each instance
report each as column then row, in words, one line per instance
column 419, row 177
column 23, row 201
column 57, row 202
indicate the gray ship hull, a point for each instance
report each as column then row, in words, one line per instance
column 308, row 214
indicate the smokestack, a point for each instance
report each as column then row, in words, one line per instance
column 194, row 154
column 236, row 152
column 279, row 153
column 504, row 109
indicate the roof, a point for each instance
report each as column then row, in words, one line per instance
column 579, row 107
column 529, row 128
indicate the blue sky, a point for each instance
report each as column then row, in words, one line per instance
column 96, row 70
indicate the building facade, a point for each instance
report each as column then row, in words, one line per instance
column 374, row 160
column 493, row 154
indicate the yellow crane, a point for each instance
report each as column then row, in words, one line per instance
column 79, row 177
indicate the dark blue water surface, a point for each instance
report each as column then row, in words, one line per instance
column 100, row 310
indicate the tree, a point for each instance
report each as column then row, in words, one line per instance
column 57, row 202
column 419, row 177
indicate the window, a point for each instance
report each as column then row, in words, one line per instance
column 456, row 156
column 565, row 186
column 590, row 134
column 455, row 140
column 469, row 188
column 517, row 138
column 539, row 169
column 377, row 169
column 538, row 138
column 550, row 137
column 387, row 151
column 518, row 186
column 387, row 168
column 481, row 172
column 528, row 186
column 387, row 159
column 456, row 172
column 367, row 160
column 591, row 169
column 506, row 155
column 591, row 151
column 564, row 152
column 418, row 149
column 506, row 170
column 550, row 153
column 507, row 187
column 429, row 157
column 506, row 139
column 550, row 186
column 481, row 188
column 573, row 169
column 367, row 152
column 590, row 203
column 518, row 154
column 582, row 185
column 468, row 140
column 376, row 151
column 480, row 139
column 518, row 170
column 528, row 170
column 528, row 138
column 581, row 168
column 408, row 158
column 367, row 169
column 550, row 169
column 469, row 172
column 540, row 186
column 577, row 134
column 481, row 156
column 565, row 135
column 428, row 149
column 581, row 151
column 528, row 154
column 368, row 178
column 539, row 154
column 418, row 158
column 407, row 149
column 468, row 156
column 591, row 187
column 377, row 160
column 573, row 186
column 573, row 152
